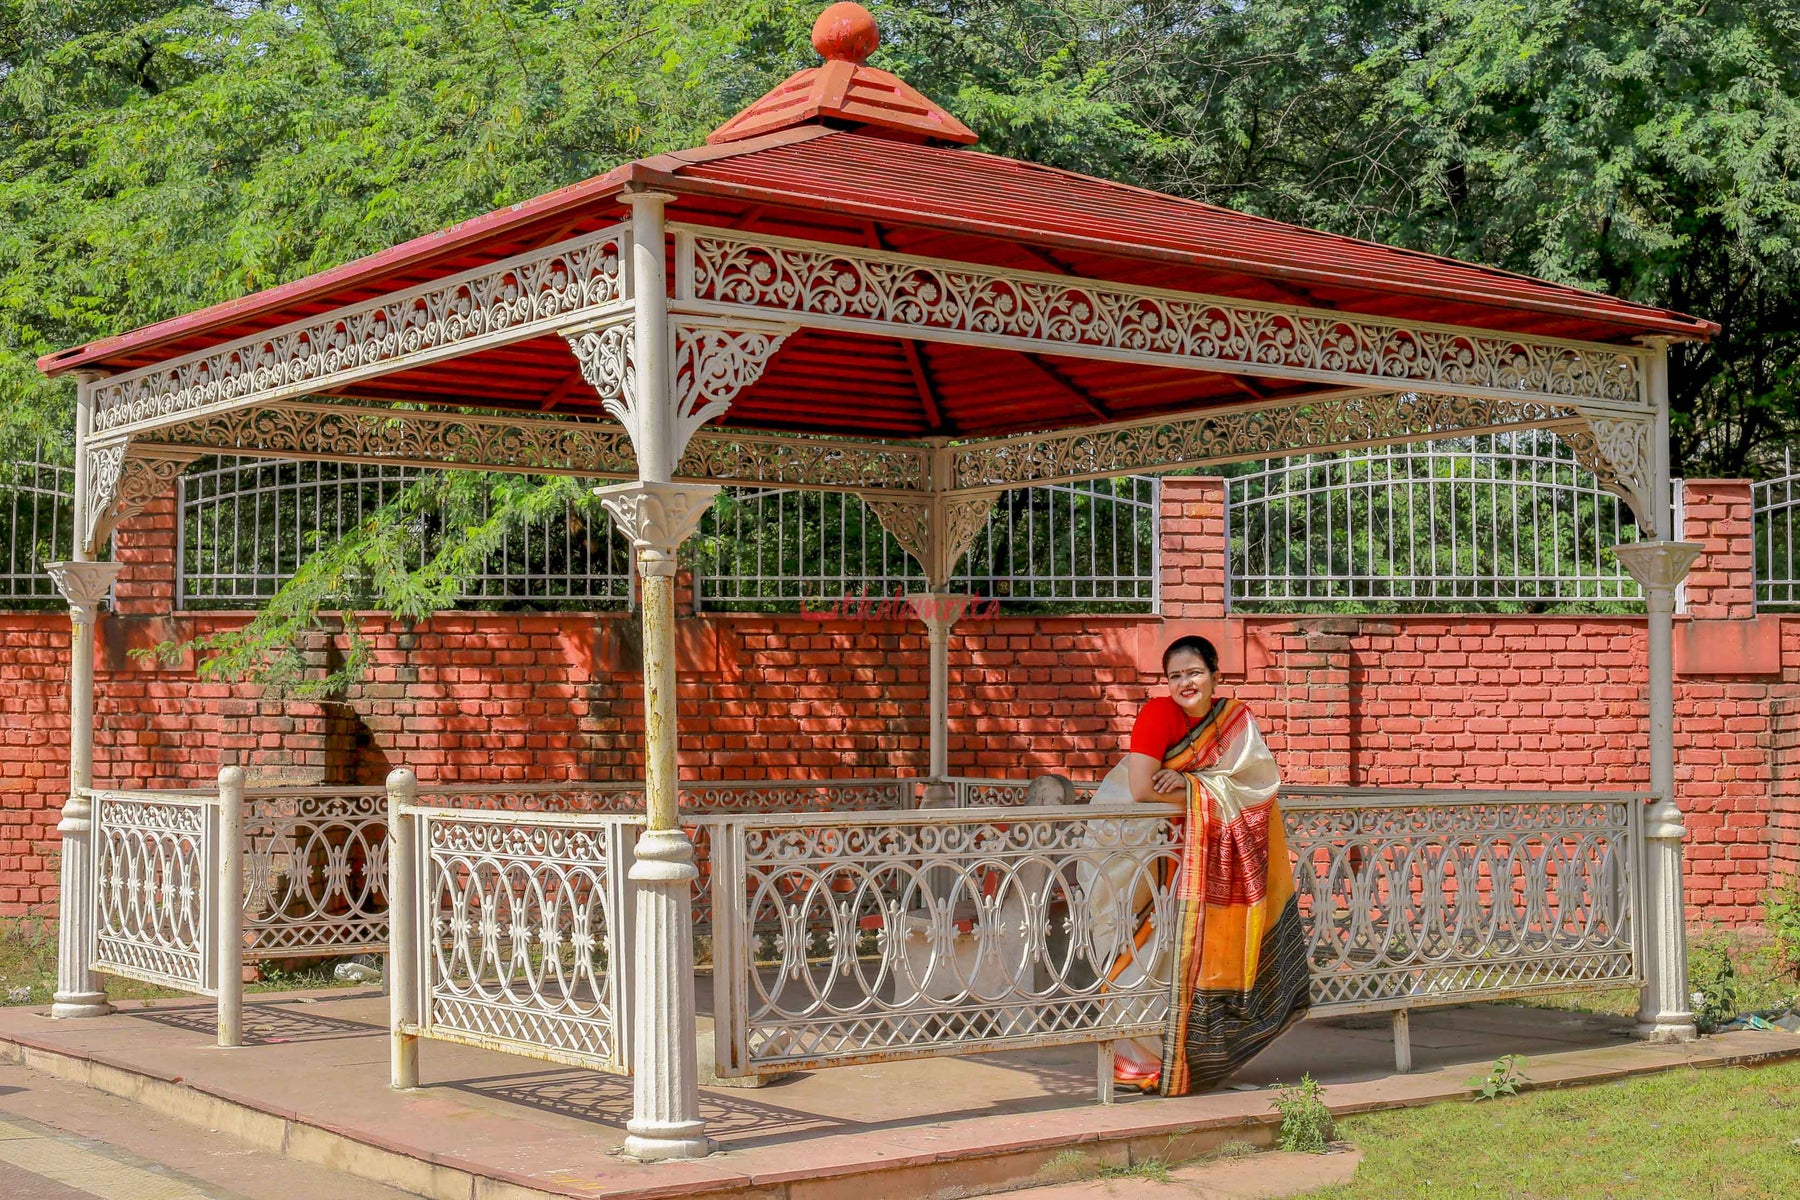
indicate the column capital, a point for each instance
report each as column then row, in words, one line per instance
column 1658, row 566
column 940, row 608
column 84, row 585
column 657, row 517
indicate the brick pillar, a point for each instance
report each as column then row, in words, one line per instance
column 1722, row 583
column 146, row 545
column 1316, row 726
column 1193, row 547
column 1784, row 789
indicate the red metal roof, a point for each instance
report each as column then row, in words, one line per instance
column 865, row 188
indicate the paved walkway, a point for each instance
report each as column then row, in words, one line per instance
column 313, row 1084
column 62, row 1141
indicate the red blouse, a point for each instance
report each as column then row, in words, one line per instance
column 1159, row 725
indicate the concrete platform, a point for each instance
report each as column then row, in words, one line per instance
column 490, row 1126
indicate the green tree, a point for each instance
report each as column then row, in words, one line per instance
column 157, row 156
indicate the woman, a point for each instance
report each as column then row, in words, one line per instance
column 1240, row 974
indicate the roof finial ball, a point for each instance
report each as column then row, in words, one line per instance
column 845, row 32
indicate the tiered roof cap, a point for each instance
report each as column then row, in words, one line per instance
column 847, row 94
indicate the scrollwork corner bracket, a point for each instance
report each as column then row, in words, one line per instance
column 1621, row 452
column 121, row 480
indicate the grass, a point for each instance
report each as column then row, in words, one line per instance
column 28, row 961
column 1726, row 1133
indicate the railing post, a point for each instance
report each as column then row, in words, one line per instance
column 228, row 913
column 403, row 930
column 731, row 931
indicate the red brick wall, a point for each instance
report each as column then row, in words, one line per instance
column 1459, row 701
column 34, row 757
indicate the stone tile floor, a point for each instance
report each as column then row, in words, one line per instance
column 313, row 1082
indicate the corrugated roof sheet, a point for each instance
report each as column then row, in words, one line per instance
column 813, row 173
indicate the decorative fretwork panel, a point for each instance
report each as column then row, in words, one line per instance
column 865, row 290
column 522, row 933
column 697, row 798
column 1423, row 898
column 976, row 792
column 155, row 857
column 508, row 301
column 872, row 936
column 315, row 872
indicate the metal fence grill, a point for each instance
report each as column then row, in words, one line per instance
column 769, row 549
column 1090, row 545
column 38, row 498
column 1499, row 519
column 1773, row 503
column 248, row 524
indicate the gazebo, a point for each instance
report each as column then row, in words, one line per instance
column 839, row 292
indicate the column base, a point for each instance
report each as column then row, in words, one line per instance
column 79, row 1004
column 652, row 1142
column 1662, row 1033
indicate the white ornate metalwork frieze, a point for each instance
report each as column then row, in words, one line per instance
column 518, row 298
column 1434, row 898
column 500, row 441
column 723, row 456
column 1243, row 433
column 155, row 860
column 916, row 297
column 412, row 437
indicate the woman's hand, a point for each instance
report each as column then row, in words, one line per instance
column 1167, row 781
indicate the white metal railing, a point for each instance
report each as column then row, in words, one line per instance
column 155, row 860
column 160, row 912
column 515, row 933
column 868, row 936
column 973, row 791
column 860, row 927
column 315, row 871
column 37, row 507
column 1419, row 898
column 247, row 524
column 1774, row 504
column 1089, row 544
column 1501, row 518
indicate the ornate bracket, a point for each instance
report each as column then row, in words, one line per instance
column 121, row 480
column 657, row 517
column 713, row 360
column 84, row 585
column 1623, row 455
column 936, row 532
